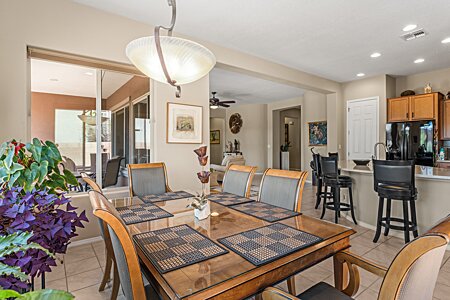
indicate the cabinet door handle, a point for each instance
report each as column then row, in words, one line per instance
column 407, row 114
column 413, row 114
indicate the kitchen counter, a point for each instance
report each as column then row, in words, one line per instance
column 422, row 172
column 432, row 204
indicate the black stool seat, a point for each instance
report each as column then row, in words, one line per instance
column 395, row 180
column 396, row 192
column 323, row 291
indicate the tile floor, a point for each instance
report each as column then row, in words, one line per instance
column 83, row 266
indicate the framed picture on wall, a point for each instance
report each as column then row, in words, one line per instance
column 214, row 137
column 317, row 133
column 184, row 123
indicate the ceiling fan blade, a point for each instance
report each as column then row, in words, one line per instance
column 224, row 105
column 231, row 101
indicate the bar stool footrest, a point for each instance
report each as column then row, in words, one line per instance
column 411, row 226
column 342, row 206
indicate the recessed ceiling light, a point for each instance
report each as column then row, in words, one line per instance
column 88, row 73
column 419, row 60
column 54, row 79
column 446, row 41
column 360, row 74
column 375, row 55
column 409, row 27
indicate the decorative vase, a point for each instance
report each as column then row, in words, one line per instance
column 203, row 213
column 427, row 89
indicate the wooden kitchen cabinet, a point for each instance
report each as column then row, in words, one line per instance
column 445, row 120
column 398, row 109
column 423, row 107
column 414, row 108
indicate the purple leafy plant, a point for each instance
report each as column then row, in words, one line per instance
column 50, row 217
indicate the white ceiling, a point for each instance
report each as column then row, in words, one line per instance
column 248, row 89
column 72, row 80
column 329, row 38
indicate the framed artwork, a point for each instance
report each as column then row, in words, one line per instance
column 317, row 133
column 184, row 123
column 214, row 137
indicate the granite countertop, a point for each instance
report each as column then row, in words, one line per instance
column 421, row 171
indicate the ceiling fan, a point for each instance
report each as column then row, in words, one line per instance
column 215, row 102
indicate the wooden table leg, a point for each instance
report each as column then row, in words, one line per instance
column 340, row 274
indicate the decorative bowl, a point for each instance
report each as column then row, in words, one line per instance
column 361, row 162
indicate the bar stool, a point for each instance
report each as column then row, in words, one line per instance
column 320, row 194
column 332, row 179
column 395, row 180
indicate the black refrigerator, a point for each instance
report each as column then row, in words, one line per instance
column 411, row 141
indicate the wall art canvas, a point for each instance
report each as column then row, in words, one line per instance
column 184, row 123
column 317, row 133
column 214, row 137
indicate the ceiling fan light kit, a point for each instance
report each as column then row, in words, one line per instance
column 215, row 102
column 169, row 59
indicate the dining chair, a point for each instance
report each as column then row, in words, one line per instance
column 110, row 259
column 411, row 275
column 238, row 180
column 133, row 281
column 283, row 188
column 148, row 179
column 112, row 171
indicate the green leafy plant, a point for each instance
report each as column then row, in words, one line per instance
column 14, row 243
column 45, row 294
column 33, row 165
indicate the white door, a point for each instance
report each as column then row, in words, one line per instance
column 362, row 127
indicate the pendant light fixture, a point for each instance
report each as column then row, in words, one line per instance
column 169, row 59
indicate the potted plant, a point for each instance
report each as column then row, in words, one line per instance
column 15, row 243
column 200, row 203
column 285, row 155
column 32, row 199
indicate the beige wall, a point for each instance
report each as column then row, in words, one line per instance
column 181, row 161
column 439, row 80
column 314, row 109
column 43, row 106
column 252, row 136
column 216, row 150
column 295, row 134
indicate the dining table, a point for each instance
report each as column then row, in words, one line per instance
column 230, row 276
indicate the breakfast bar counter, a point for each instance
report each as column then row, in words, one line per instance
column 433, row 201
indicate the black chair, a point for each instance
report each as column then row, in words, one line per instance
column 112, row 171
column 315, row 166
column 395, row 180
column 331, row 178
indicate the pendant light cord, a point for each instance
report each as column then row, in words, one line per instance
column 159, row 49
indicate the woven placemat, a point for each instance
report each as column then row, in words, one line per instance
column 141, row 213
column 228, row 199
column 167, row 196
column 264, row 211
column 176, row 247
column 265, row 244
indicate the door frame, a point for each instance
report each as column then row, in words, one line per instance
column 377, row 99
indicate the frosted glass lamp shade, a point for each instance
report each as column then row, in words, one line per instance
column 186, row 61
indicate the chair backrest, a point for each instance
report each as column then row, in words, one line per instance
column 400, row 173
column 69, row 164
column 283, row 188
column 125, row 254
column 147, row 179
column 238, row 180
column 316, row 161
column 413, row 272
column 329, row 167
column 91, row 182
column 112, row 171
